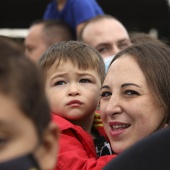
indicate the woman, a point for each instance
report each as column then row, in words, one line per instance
column 135, row 96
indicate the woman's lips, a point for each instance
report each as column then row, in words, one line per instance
column 117, row 128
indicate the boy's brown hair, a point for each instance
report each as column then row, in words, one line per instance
column 80, row 54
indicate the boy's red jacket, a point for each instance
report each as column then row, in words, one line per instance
column 76, row 148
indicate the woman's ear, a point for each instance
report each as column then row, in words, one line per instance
column 46, row 154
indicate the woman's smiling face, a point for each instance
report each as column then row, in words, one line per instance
column 129, row 110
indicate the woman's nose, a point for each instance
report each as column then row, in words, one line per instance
column 114, row 106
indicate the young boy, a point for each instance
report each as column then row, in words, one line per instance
column 74, row 72
column 28, row 138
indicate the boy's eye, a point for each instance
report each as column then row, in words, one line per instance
column 58, row 83
column 131, row 92
column 105, row 94
column 85, row 81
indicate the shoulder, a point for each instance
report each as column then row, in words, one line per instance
column 61, row 122
column 85, row 3
column 52, row 4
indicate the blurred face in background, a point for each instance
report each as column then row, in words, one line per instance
column 35, row 43
column 19, row 139
column 108, row 36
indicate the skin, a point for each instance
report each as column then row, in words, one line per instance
column 16, row 140
column 108, row 36
column 126, row 100
column 61, row 4
column 35, row 43
column 68, row 83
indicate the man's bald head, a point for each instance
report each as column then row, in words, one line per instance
column 43, row 34
column 106, row 34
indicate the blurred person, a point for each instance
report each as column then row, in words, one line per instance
column 106, row 34
column 74, row 72
column 140, row 37
column 28, row 138
column 42, row 34
column 14, row 43
column 135, row 94
column 73, row 12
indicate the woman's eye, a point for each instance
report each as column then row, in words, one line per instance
column 85, row 81
column 58, row 83
column 131, row 92
column 105, row 94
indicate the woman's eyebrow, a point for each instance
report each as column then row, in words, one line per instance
column 130, row 84
column 105, row 87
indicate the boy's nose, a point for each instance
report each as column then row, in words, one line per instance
column 73, row 93
column 73, row 90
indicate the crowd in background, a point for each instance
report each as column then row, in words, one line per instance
column 80, row 92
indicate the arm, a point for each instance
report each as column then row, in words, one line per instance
column 78, row 153
column 84, row 10
column 51, row 11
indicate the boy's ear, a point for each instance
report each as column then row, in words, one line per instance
column 46, row 154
